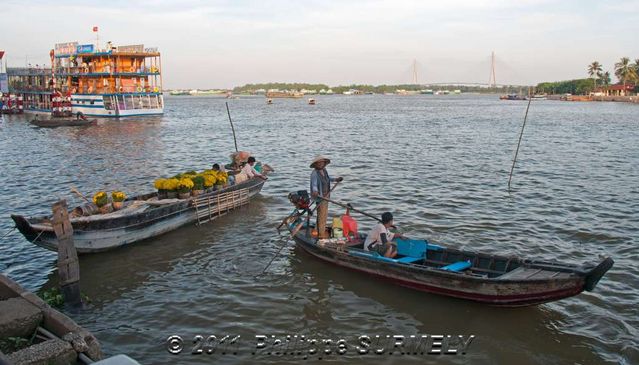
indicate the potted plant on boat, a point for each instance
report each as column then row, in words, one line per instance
column 222, row 179
column 171, row 187
column 100, row 199
column 160, row 185
column 198, row 185
column 118, row 199
column 184, row 187
column 209, row 179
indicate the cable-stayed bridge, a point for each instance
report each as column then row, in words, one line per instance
column 466, row 73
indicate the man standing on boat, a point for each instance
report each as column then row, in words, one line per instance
column 321, row 187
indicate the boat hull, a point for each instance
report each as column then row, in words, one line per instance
column 103, row 235
column 55, row 123
column 504, row 291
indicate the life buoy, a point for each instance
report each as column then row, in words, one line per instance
column 139, row 89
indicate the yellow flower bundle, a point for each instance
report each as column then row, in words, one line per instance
column 159, row 184
column 210, row 178
column 222, row 177
column 100, row 199
column 118, row 196
column 185, row 184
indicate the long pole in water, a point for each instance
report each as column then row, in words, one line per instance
column 232, row 128
column 521, row 134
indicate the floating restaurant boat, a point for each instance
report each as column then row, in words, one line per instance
column 114, row 81
column 480, row 277
column 142, row 217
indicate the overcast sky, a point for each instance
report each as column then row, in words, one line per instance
column 219, row 44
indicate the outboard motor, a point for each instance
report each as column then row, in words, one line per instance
column 300, row 199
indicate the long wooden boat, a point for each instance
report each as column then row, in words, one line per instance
column 69, row 122
column 480, row 277
column 142, row 217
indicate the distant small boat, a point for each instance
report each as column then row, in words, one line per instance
column 311, row 101
column 55, row 123
column 513, row 97
column 269, row 101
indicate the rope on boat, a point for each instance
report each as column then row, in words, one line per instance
column 285, row 240
column 8, row 233
column 38, row 236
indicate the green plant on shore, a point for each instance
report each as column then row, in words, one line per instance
column 13, row 344
column 53, row 297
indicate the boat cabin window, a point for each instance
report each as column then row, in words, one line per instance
column 108, row 102
column 121, row 104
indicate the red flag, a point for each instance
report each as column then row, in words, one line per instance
column 1, row 54
column 95, row 29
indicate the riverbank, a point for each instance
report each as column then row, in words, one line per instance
column 624, row 99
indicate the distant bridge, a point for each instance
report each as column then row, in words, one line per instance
column 466, row 71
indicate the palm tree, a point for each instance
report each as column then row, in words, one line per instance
column 594, row 69
column 605, row 78
column 624, row 70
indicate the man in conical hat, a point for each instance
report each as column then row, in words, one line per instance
column 321, row 187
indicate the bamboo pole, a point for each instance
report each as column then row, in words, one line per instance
column 521, row 134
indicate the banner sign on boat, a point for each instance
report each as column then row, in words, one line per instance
column 136, row 48
column 85, row 48
column 65, row 48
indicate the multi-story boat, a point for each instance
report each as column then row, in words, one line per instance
column 114, row 81
column 32, row 86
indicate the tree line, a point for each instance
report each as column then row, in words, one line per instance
column 626, row 72
column 377, row 89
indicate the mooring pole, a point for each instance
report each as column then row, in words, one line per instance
column 68, row 264
column 232, row 128
column 519, row 142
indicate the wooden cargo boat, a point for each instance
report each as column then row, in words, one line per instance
column 480, row 277
column 142, row 217
column 61, row 122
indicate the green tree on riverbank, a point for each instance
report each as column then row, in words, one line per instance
column 625, row 71
column 594, row 70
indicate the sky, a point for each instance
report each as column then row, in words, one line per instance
column 222, row 44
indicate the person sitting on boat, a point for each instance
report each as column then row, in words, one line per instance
column 80, row 115
column 215, row 167
column 250, row 171
column 380, row 238
column 321, row 187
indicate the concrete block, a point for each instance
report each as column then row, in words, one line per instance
column 18, row 317
column 50, row 352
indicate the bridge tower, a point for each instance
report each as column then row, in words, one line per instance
column 492, row 82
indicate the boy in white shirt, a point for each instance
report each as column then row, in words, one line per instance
column 250, row 171
column 379, row 239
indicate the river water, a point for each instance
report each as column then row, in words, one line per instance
column 439, row 163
